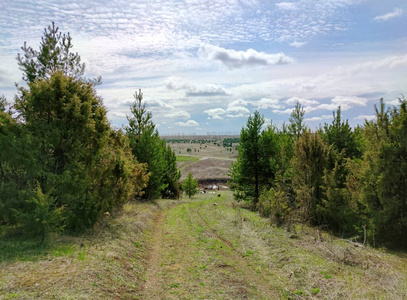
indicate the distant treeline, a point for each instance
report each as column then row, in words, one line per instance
column 228, row 142
column 62, row 165
column 352, row 182
column 191, row 141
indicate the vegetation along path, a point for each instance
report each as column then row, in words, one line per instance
column 200, row 250
column 193, row 249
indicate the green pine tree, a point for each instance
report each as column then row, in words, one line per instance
column 190, row 186
column 309, row 162
column 147, row 146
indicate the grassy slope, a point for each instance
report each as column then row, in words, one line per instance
column 110, row 264
column 197, row 250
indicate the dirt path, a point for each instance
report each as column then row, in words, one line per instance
column 191, row 259
column 152, row 274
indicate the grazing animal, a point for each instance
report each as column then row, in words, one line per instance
column 215, row 204
column 218, row 195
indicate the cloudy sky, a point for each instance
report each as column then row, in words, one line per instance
column 205, row 66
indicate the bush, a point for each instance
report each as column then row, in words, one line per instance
column 44, row 216
column 274, row 205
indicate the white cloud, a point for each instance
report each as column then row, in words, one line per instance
column 189, row 123
column 286, row 111
column 304, row 102
column 323, row 117
column 237, row 59
column 345, row 102
column 397, row 12
column 237, row 109
column 239, row 102
column 119, row 114
column 215, row 113
column 237, row 116
column 298, row 44
column 265, row 103
column 180, row 114
column 194, row 90
column 286, row 6
column 365, row 117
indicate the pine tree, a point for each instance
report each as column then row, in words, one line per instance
column 147, row 146
column 54, row 55
column 309, row 162
column 70, row 139
column 383, row 173
column 297, row 127
column 253, row 169
column 190, row 185
column 340, row 135
column 62, row 141
column 171, row 176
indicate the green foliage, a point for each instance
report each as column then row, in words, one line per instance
column 44, row 216
column 73, row 151
column 190, row 185
column 309, row 162
column 340, row 135
column 335, row 210
column 148, row 148
column 171, row 176
column 3, row 103
column 247, row 172
column 53, row 56
column 275, row 205
column 228, row 142
column 383, row 175
column 297, row 127
column 63, row 142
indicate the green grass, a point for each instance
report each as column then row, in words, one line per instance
column 20, row 248
column 183, row 158
column 199, row 246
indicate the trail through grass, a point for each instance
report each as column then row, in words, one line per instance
column 194, row 249
column 203, row 251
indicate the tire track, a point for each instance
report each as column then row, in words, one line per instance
column 263, row 285
column 151, row 286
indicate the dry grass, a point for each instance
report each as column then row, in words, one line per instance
column 203, row 150
column 207, row 168
column 108, row 263
column 196, row 250
column 304, row 266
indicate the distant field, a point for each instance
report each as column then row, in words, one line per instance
column 209, row 149
column 206, row 160
column 208, row 168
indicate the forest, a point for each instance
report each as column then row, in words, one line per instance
column 63, row 166
column 351, row 182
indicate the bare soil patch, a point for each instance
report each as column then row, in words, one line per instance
column 208, row 168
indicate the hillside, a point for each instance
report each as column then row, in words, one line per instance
column 208, row 160
column 193, row 249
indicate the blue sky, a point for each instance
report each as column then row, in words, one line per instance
column 205, row 66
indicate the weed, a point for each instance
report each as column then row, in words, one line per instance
column 82, row 254
column 299, row 292
column 315, row 290
column 326, row 275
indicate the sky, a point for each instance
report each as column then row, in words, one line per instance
column 205, row 66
